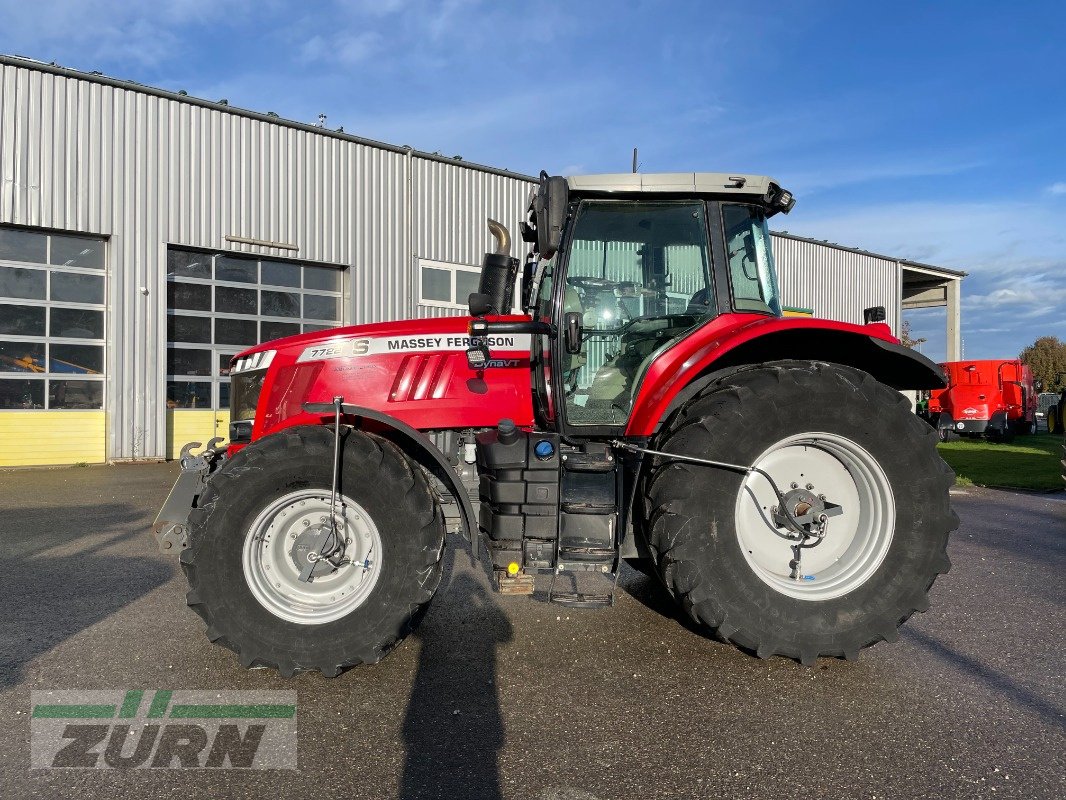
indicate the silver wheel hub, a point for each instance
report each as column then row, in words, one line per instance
column 280, row 543
column 816, row 472
column 303, row 551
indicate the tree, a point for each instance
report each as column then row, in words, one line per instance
column 1046, row 357
column 905, row 336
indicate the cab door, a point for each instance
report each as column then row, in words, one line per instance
column 637, row 279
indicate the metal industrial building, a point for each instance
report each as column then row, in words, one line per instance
column 146, row 236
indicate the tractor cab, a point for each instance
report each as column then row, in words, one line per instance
column 623, row 266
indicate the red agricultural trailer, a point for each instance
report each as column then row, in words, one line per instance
column 994, row 398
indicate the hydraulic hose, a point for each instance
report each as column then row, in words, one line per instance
column 706, row 462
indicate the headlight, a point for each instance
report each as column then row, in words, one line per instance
column 260, row 360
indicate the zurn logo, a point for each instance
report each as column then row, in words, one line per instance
column 162, row 729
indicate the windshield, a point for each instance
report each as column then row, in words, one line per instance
column 752, row 276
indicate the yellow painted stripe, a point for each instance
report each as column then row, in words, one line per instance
column 194, row 425
column 47, row 438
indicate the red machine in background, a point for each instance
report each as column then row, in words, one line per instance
column 985, row 398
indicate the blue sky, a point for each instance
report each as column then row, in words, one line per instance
column 934, row 131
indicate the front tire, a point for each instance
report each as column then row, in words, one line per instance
column 252, row 529
column 805, row 423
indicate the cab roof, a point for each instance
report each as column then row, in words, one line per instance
column 674, row 183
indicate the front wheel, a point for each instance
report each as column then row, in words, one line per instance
column 876, row 496
column 253, row 564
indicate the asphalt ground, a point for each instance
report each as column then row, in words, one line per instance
column 508, row 696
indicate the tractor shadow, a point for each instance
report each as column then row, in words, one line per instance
column 998, row 682
column 649, row 591
column 57, row 580
column 453, row 729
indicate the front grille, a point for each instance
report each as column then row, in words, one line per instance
column 244, row 394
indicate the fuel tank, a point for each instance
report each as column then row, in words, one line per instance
column 413, row 370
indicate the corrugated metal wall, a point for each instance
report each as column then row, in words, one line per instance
column 836, row 283
column 147, row 169
column 450, row 204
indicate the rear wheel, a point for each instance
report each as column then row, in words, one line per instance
column 726, row 559
column 252, row 564
column 1023, row 428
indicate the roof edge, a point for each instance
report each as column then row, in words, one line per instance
column 906, row 262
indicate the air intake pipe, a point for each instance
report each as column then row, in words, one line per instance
column 499, row 271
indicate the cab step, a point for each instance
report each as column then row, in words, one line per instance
column 584, row 599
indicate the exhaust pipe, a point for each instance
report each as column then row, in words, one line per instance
column 498, row 273
column 502, row 236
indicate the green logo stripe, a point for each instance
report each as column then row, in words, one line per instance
column 224, row 711
column 131, row 704
column 73, row 711
column 160, row 701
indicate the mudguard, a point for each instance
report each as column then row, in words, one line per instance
column 733, row 340
column 420, row 447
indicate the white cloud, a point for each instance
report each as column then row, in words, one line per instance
column 1057, row 188
column 1019, row 302
column 988, row 238
column 840, row 174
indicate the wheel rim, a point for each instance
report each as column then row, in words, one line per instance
column 277, row 538
column 856, row 541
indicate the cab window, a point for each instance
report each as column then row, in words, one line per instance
column 752, row 276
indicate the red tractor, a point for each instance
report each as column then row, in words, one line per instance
column 649, row 404
column 995, row 399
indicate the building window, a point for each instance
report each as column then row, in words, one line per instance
column 51, row 320
column 446, row 285
column 220, row 304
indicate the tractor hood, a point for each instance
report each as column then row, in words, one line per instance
column 412, row 370
column 375, row 330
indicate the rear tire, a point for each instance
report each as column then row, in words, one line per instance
column 717, row 564
column 292, row 626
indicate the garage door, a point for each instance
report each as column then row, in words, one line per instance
column 52, row 323
column 218, row 304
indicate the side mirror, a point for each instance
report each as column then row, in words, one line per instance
column 874, row 314
column 572, row 320
column 549, row 210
